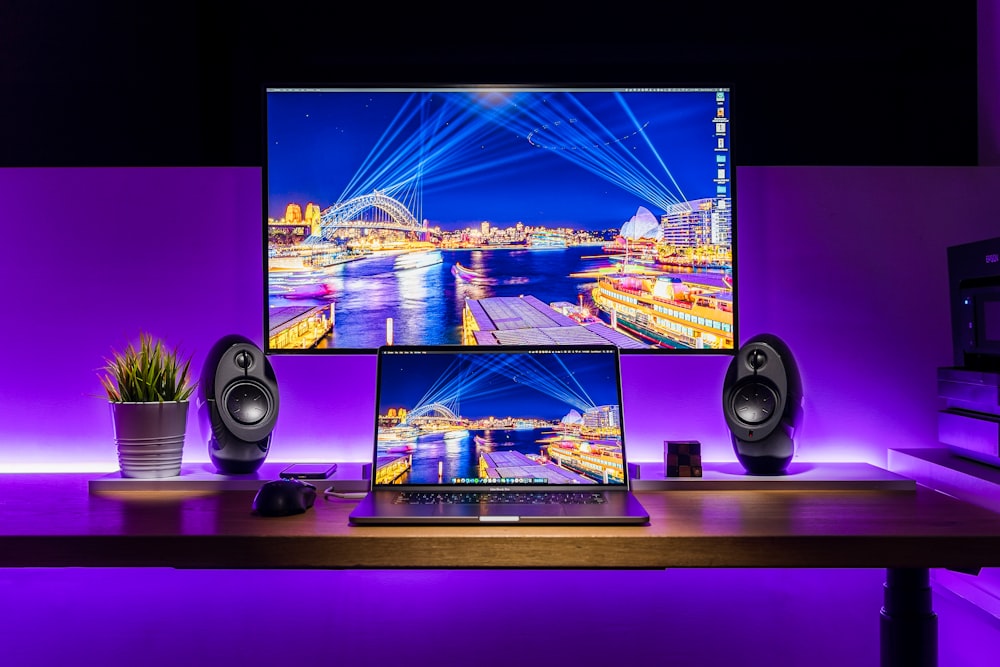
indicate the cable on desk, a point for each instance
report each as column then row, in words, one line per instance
column 330, row 492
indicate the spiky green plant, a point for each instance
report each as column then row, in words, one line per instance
column 148, row 374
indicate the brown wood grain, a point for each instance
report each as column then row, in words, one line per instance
column 51, row 520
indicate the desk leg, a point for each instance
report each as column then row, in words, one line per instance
column 908, row 624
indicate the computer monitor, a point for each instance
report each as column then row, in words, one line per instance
column 499, row 214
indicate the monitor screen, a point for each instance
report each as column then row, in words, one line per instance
column 485, row 215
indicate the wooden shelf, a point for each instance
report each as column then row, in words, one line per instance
column 647, row 476
column 799, row 477
column 349, row 477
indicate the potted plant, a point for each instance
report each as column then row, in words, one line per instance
column 148, row 387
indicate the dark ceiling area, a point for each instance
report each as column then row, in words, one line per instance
column 121, row 85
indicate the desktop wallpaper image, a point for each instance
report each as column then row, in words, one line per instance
column 391, row 214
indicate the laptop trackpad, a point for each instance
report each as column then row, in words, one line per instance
column 512, row 513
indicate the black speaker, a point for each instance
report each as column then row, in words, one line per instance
column 762, row 403
column 237, row 405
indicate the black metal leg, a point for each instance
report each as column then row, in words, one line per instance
column 908, row 629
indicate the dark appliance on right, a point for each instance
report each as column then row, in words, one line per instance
column 969, row 421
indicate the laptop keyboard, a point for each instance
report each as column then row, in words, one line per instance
column 498, row 497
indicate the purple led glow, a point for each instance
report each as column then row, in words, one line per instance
column 639, row 618
column 826, row 273
column 177, row 251
column 676, row 617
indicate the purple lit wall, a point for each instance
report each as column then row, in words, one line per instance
column 360, row 619
column 846, row 264
column 683, row 618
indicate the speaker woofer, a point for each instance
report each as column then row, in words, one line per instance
column 247, row 402
column 754, row 403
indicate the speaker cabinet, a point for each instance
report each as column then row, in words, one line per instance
column 237, row 405
column 762, row 404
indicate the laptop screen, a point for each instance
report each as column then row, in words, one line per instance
column 469, row 416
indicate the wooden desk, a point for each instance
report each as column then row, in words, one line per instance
column 52, row 521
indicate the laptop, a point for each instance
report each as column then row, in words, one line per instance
column 499, row 435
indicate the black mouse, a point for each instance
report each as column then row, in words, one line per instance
column 284, row 497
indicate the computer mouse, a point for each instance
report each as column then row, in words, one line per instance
column 284, row 497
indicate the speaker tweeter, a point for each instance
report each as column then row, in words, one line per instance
column 237, row 405
column 762, row 404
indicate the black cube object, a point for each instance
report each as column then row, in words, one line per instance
column 681, row 458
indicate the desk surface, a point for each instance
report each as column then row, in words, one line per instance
column 51, row 520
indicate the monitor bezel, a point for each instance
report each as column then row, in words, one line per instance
column 520, row 84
